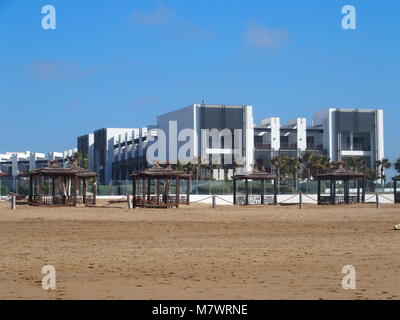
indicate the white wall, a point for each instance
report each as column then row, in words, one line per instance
column 380, row 135
column 185, row 119
column 301, row 134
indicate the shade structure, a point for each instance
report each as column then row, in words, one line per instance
column 396, row 192
column 254, row 199
column 59, row 186
column 346, row 176
column 162, row 179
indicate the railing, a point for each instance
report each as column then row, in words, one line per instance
column 162, row 202
column 258, row 145
column 292, row 146
column 312, row 146
column 60, row 200
column 356, row 147
column 339, row 199
column 254, row 199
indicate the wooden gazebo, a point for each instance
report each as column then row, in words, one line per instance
column 66, row 186
column 256, row 174
column 346, row 176
column 161, row 198
column 396, row 193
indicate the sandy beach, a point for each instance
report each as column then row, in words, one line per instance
column 199, row 253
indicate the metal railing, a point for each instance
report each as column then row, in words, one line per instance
column 340, row 199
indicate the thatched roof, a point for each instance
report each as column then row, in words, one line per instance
column 341, row 173
column 158, row 172
column 55, row 170
column 258, row 173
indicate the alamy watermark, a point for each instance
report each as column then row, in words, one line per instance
column 349, row 280
column 349, row 21
column 49, row 280
column 217, row 146
column 49, row 20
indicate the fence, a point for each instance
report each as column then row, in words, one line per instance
column 20, row 185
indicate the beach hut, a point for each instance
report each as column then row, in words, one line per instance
column 257, row 174
column 163, row 179
column 396, row 193
column 345, row 176
column 59, row 186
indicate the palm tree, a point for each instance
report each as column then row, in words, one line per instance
column 397, row 165
column 293, row 164
column 356, row 164
column 280, row 163
column 81, row 158
column 383, row 164
column 320, row 164
column 371, row 174
column 178, row 166
column 306, row 162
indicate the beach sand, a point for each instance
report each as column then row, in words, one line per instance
column 200, row 253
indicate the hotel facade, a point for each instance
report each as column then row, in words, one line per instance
column 17, row 164
column 336, row 132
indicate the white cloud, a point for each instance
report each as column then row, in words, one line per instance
column 260, row 36
column 174, row 24
column 160, row 15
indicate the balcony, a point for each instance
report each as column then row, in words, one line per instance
column 356, row 147
column 287, row 146
column 265, row 146
column 313, row 146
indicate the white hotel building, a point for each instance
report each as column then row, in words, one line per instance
column 15, row 164
column 338, row 133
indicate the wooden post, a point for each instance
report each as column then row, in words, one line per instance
column 276, row 192
column 346, row 185
column 134, row 192
column 13, row 202
column 128, row 196
column 53, row 186
column 319, row 191
column 234, row 191
column 167, row 182
column 177, row 192
column 377, row 200
column 358, row 191
column 363, row 190
column 246, row 181
column 300, row 200
column 262, row 190
column 148, row 188
column 144, row 190
column 158, row 190
column 94, row 190
column 40, row 190
column 76, row 188
column 188, row 191
column 84, row 190
column 30, row 189
column 214, row 202
column 333, row 191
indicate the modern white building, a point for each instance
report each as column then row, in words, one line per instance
column 104, row 147
column 337, row 133
column 233, row 137
column 15, row 164
column 352, row 132
column 18, row 163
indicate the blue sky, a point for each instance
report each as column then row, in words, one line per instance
column 121, row 63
